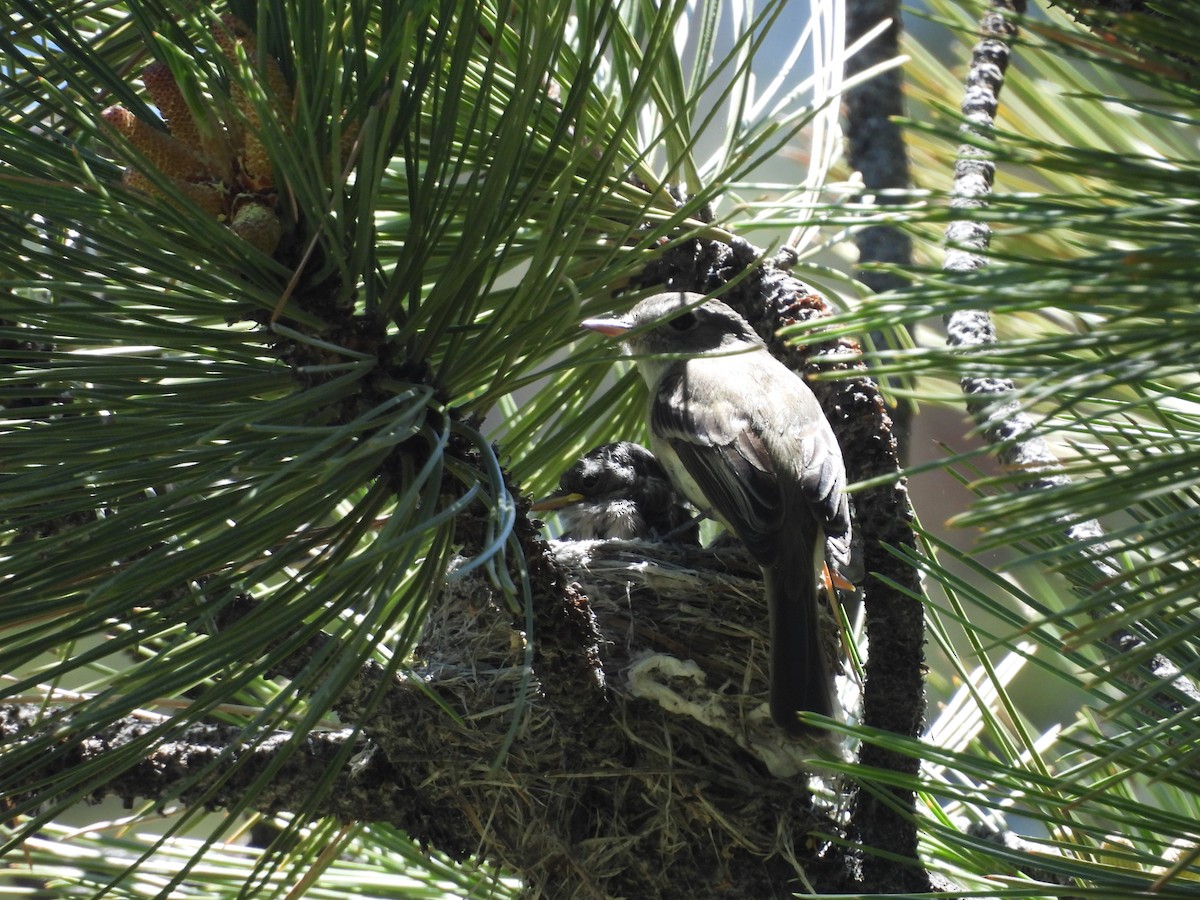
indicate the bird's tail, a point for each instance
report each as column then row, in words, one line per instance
column 801, row 675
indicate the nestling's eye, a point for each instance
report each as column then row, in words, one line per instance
column 589, row 478
column 684, row 322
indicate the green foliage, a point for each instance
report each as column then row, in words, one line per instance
column 218, row 457
column 190, row 423
column 1087, row 751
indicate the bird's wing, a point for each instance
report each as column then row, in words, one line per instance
column 726, row 459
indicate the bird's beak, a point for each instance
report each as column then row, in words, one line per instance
column 554, row 501
column 610, row 327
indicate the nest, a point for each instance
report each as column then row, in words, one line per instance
column 674, row 783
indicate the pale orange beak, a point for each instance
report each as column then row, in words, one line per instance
column 610, row 327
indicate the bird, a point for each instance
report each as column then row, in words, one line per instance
column 745, row 440
column 619, row 490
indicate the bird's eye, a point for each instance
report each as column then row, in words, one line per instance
column 589, row 479
column 684, row 322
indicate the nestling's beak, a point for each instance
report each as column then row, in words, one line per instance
column 610, row 327
column 554, row 501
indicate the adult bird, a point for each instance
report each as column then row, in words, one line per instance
column 744, row 438
column 620, row 491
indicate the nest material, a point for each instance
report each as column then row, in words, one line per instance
column 678, row 785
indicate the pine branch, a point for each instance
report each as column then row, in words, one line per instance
column 876, row 149
column 875, row 142
column 1004, row 424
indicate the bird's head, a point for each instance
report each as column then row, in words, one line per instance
column 679, row 324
